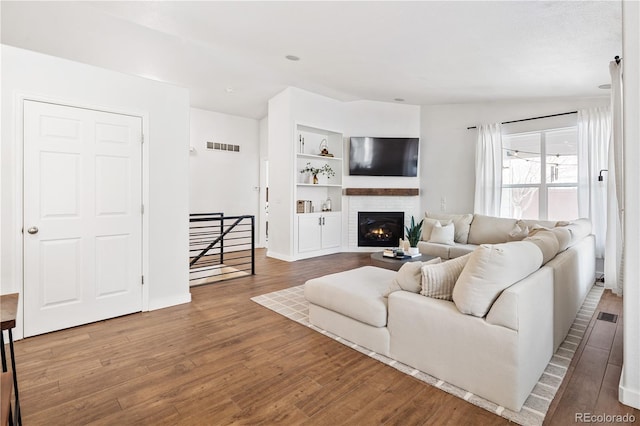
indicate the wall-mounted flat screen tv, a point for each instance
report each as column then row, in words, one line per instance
column 369, row 156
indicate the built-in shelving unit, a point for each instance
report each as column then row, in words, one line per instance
column 318, row 231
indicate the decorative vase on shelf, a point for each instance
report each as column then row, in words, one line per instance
column 315, row 179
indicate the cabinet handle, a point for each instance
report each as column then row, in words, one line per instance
column 323, row 220
column 319, row 221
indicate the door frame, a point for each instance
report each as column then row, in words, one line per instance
column 18, row 219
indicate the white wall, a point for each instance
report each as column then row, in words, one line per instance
column 380, row 119
column 630, row 381
column 167, row 108
column 222, row 181
column 448, row 148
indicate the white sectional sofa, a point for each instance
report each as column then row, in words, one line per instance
column 498, row 351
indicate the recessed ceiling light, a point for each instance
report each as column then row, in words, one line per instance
column 229, row 90
column 398, row 99
column 604, row 86
column 292, row 57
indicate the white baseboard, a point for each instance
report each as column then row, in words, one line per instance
column 280, row 256
column 169, row 301
column 630, row 397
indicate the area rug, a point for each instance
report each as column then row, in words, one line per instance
column 291, row 303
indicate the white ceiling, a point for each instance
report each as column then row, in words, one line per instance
column 425, row 52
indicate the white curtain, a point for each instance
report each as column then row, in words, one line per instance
column 488, row 170
column 614, row 245
column 594, row 131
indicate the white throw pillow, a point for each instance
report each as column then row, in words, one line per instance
column 438, row 279
column 547, row 242
column 409, row 277
column 443, row 234
column 461, row 223
column 491, row 269
column 427, row 227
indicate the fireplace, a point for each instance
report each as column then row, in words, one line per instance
column 380, row 229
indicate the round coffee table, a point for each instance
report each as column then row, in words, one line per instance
column 394, row 263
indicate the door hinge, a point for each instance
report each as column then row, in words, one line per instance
column 142, row 279
column 142, row 208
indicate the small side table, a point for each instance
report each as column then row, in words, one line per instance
column 8, row 311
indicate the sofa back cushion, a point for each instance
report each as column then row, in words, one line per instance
column 439, row 279
column 461, row 223
column 491, row 269
column 490, row 229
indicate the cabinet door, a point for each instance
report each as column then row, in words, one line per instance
column 309, row 233
column 331, row 231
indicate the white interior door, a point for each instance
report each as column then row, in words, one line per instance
column 82, row 216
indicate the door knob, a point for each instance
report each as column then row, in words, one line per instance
column 33, row 230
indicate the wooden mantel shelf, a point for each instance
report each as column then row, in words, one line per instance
column 402, row 192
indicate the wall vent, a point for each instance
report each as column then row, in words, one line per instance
column 223, row 146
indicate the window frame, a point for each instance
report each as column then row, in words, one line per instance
column 543, row 186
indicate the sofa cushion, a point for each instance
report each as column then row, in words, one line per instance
column 564, row 237
column 491, row 269
column 547, row 243
column 443, row 234
column 519, row 231
column 490, row 230
column 409, row 277
column 461, row 249
column 357, row 293
column 438, row 279
column 461, row 223
column 427, row 227
column 434, row 249
column 578, row 228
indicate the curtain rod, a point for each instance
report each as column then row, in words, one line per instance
column 532, row 118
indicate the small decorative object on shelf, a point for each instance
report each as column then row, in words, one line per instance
column 413, row 235
column 315, row 171
column 324, row 148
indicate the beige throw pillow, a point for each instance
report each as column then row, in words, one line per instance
column 408, row 277
column 492, row 268
column 443, row 234
column 547, row 243
column 438, row 279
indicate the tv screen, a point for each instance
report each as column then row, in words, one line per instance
column 383, row 156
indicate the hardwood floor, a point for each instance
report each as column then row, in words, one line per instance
column 223, row 359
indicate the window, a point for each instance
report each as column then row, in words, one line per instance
column 540, row 175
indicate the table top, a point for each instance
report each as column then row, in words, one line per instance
column 8, row 310
column 377, row 259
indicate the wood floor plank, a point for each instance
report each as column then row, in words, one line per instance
column 223, row 359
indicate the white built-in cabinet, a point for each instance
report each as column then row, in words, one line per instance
column 318, row 232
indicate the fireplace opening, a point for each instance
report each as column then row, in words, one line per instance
column 380, row 229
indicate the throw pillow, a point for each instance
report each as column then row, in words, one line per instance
column 519, row 231
column 408, row 277
column 491, row 269
column 461, row 223
column 443, row 234
column 427, row 227
column 547, row 243
column 438, row 279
